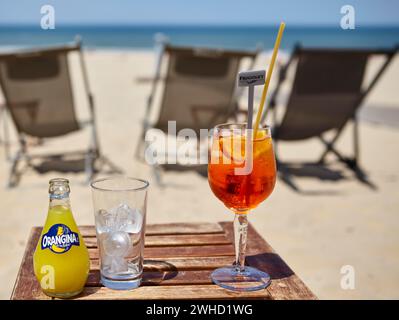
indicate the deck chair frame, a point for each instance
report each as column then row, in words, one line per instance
column 92, row 155
column 351, row 161
column 4, row 137
column 165, row 47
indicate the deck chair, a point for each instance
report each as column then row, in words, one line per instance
column 38, row 95
column 199, row 89
column 327, row 91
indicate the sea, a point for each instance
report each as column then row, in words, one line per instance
column 142, row 37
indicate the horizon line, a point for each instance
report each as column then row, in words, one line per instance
column 199, row 25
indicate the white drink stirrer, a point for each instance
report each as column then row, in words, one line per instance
column 249, row 79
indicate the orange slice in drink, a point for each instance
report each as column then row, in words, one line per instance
column 233, row 147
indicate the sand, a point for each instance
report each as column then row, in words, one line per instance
column 335, row 221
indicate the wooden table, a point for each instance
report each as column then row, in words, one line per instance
column 179, row 259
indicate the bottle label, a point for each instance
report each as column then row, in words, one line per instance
column 59, row 239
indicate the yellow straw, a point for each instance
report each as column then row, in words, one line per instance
column 268, row 76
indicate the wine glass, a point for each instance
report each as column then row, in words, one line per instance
column 240, row 192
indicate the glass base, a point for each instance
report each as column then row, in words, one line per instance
column 250, row 279
column 120, row 284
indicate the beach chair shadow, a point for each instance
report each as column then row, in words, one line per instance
column 288, row 172
column 75, row 163
column 327, row 91
column 200, row 169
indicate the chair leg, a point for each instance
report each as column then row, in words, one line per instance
column 90, row 160
column 327, row 150
column 330, row 148
column 356, row 144
column 157, row 171
column 15, row 175
column 139, row 148
column 7, row 148
column 329, row 145
column 352, row 163
column 6, row 138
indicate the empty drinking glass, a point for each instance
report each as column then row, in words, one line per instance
column 120, row 210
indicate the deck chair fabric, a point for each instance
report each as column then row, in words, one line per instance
column 199, row 89
column 324, row 95
column 38, row 95
column 38, row 91
column 327, row 91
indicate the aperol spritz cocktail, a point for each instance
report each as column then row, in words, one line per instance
column 241, row 192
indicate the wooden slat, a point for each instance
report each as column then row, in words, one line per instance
column 167, row 228
column 181, row 277
column 285, row 283
column 173, row 240
column 188, row 263
column 170, row 292
column 186, row 251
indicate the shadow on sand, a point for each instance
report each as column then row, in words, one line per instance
column 74, row 164
column 288, row 172
column 321, row 171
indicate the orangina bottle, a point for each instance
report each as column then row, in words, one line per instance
column 61, row 259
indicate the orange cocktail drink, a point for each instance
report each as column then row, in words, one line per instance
column 241, row 193
column 242, row 174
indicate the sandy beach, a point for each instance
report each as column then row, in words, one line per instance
column 336, row 221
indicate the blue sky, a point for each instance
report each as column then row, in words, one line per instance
column 243, row 12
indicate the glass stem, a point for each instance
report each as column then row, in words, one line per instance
column 240, row 239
